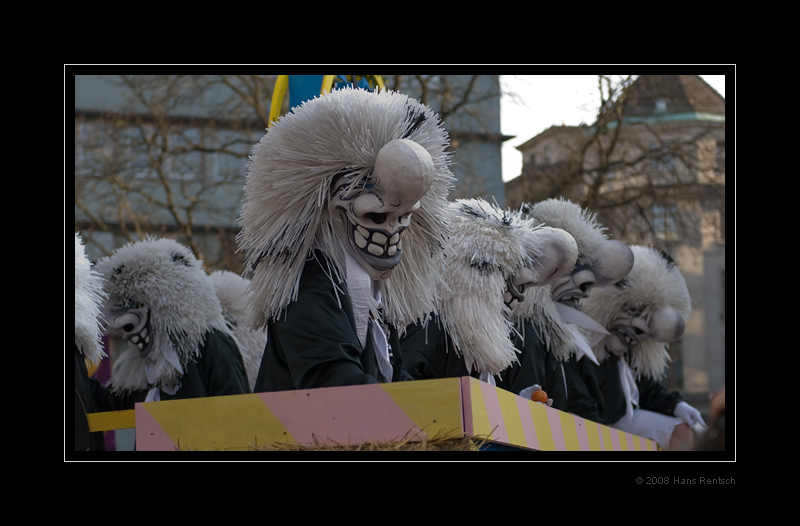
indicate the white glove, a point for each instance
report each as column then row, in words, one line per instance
column 690, row 415
column 528, row 391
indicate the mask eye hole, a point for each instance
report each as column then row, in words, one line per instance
column 376, row 218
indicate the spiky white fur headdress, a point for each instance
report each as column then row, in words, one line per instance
column 654, row 282
column 164, row 277
column 566, row 215
column 89, row 297
column 233, row 296
column 285, row 212
column 490, row 245
column 539, row 306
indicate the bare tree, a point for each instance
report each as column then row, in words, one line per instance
column 648, row 179
column 171, row 160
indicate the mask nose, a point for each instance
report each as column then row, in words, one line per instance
column 667, row 325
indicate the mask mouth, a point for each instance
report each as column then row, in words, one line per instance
column 627, row 335
column 571, row 299
column 514, row 294
column 380, row 249
column 133, row 324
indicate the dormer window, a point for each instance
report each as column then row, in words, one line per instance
column 661, row 106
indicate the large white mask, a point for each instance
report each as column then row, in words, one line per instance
column 632, row 326
column 559, row 253
column 610, row 261
column 371, row 211
column 132, row 323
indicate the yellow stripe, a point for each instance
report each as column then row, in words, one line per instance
column 592, row 435
column 623, row 439
column 215, row 423
column 570, row 433
column 110, row 420
column 543, row 432
column 433, row 405
column 511, row 417
column 480, row 417
column 605, row 431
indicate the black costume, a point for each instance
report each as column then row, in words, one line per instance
column 595, row 392
column 84, row 404
column 315, row 343
column 218, row 370
column 429, row 353
column 537, row 366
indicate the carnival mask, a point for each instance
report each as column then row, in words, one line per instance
column 132, row 323
column 371, row 210
column 609, row 263
column 634, row 325
column 555, row 256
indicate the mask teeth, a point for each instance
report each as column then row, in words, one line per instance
column 376, row 243
column 141, row 340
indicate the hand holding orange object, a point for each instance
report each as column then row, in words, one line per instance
column 539, row 396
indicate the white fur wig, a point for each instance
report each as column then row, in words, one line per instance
column 566, row 215
column 654, row 283
column 539, row 306
column 489, row 245
column 285, row 213
column 233, row 296
column 164, row 277
column 89, row 298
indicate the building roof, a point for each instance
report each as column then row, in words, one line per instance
column 653, row 95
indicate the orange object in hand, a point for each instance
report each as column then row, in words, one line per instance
column 539, row 396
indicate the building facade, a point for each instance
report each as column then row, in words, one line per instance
column 652, row 168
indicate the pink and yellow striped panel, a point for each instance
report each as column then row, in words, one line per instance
column 512, row 420
column 377, row 412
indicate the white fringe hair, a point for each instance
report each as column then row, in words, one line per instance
column 164, row 277
column 578, row 222
column 285, row 210
column 653, row 283
column 489, row 245
column 539, row 305
column 89, row 297
column 233, row 296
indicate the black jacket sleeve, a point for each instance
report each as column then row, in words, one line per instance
column 653, row 396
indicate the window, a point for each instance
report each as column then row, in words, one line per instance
column 664, row 225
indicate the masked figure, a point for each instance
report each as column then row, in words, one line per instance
column 497, row 256
column 233, row 297
column 643, row 314
column 89, row 298
column 343, row 231
column 162, row 302
column 550, row 325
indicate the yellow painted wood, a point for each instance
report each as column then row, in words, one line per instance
column 570, row 432
column 433, row 405
column 543, row 432
column 231, row 423
column 480, row 418
column 593, row 435
column 110, row 420
column 511, row 418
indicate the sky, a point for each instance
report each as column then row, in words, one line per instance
column 546, row 100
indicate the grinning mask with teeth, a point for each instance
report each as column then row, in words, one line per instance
column 643, row 312
column 357, row 175
column 370, row 212
column 161, row 301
